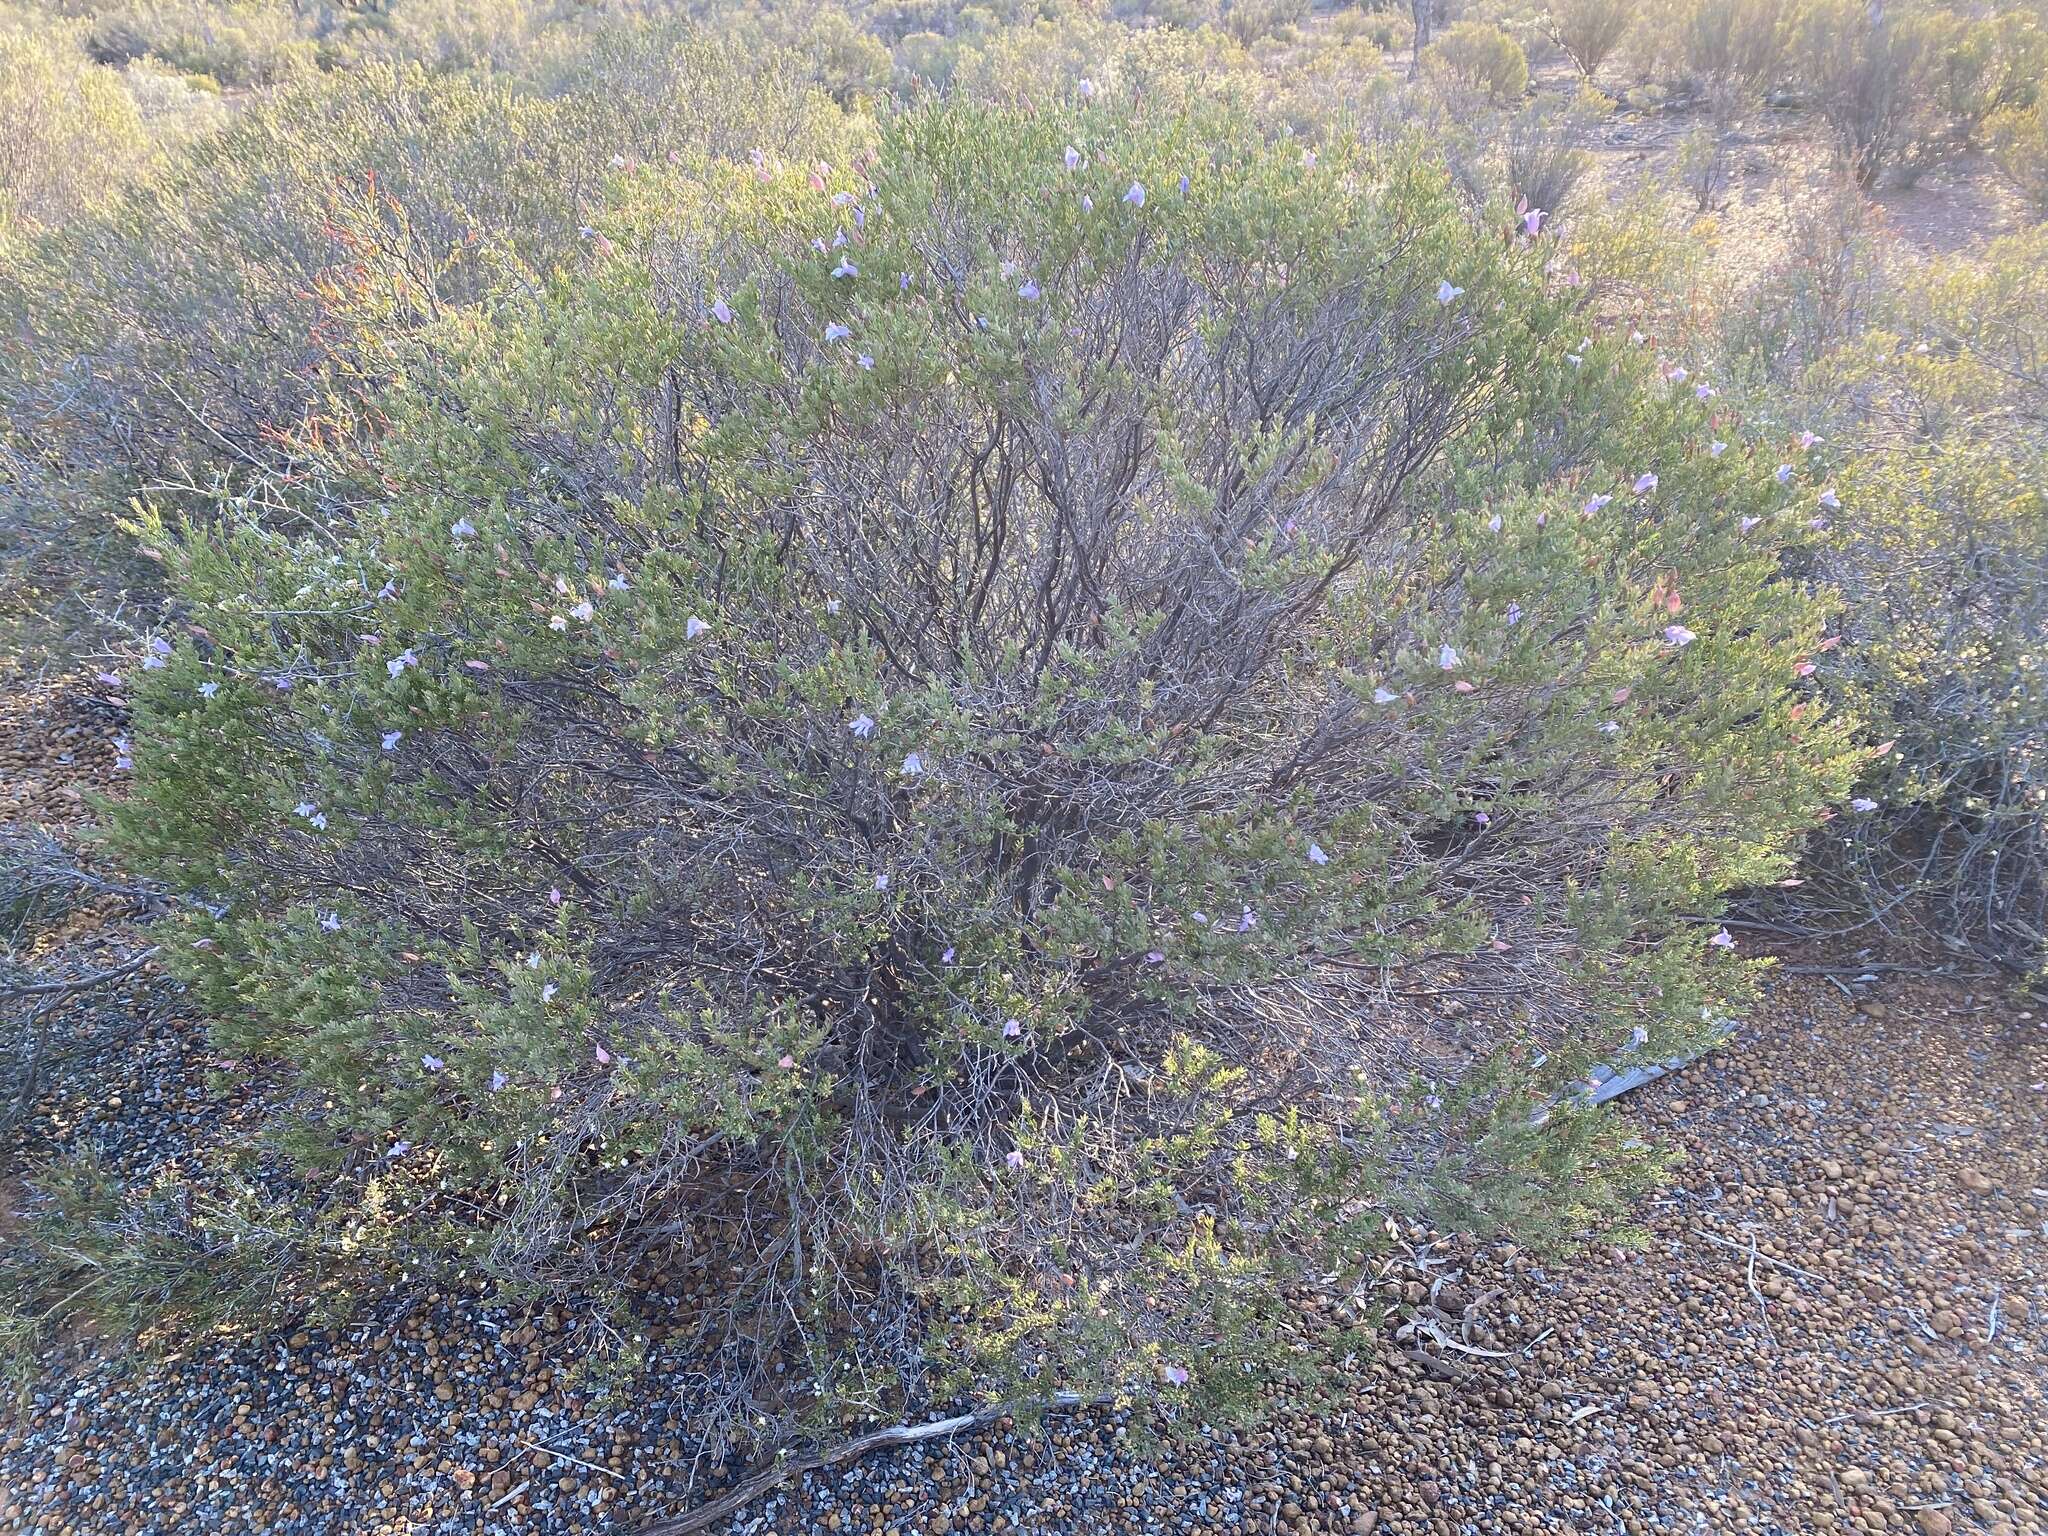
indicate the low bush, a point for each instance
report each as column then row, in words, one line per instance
column 1021, row 739
column 1481, row 58
column 1941, row 555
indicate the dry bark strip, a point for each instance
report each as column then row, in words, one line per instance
column 737, row 1499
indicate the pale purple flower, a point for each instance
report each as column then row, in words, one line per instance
column 1808, row 439
column 1678, row 636
column 862, row 726
column 432, row 1063
column 1678, row 374
column 1248, row 921
column 1596, row 501
column 1200, row 919
column 1087, row 90
column 865, row 361
column 1532, row 222
column 947, row 957
column 1575, row 360
column 1493, row 523
column 208, row 690
column 1645, row 483
column 913, row 765
column 1308, row 159
column 1029, row 291
column 554, row 895
column 1749, row 523
column 1482, row 818
column 1154, row 957
column 846, row 268
column 1723, row 940
column 388, row 593
column 547, row 991
column 1862, row 806
column 398, row 1149
column 1316, row 854
column 282, row 682
column 1015, row 1160
column 838, row 238
column 400, row 662
column 1087, row 203
column 331, row 921
column 1830, row 500
column 903, row 283
column 618, row 582
column 152, row 663
column 111, row 679
column 836, row 332
column 1177, row 1375
column 1446, row 291
column 1716, row 448
column 159, row 646
column 1705, row 392
column 1514, row 614
column 497, row 1082
column 1136, row 196
column 1609, row 727
column 1012, row 1029
column 721, row 311
column 1384, row 696
column 558, row 623
column 881, row 882
column 600, row 1055
column 583, row 611
column 392, row 739
column 1446, row 658
column 1073, row 158
column 462, row 528
column 694, row 626
column 1784, row 474
column 1183, row 186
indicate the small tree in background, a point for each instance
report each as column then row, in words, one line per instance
column 979, row 732
column 1588, row 31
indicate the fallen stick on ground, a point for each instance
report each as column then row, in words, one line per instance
column 852, row 1450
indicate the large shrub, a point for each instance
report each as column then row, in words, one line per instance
column 1017, row 741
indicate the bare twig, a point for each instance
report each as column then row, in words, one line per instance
column 709, row 1514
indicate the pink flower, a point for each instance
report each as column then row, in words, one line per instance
column 787, row 1063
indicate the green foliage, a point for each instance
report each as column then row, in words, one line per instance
column 960, row 734
column 1717, row 43
column 1482, row 58
column 2019, row 143
column 73, row 134
column 1943, row 561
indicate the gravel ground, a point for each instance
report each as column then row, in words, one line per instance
column 1836, row 1323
